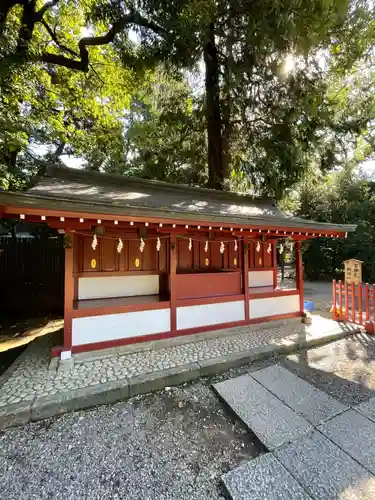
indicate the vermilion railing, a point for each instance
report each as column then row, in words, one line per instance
column 353, row 303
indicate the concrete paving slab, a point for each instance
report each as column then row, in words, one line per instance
column 269, row 418
column 313, row 404
column 367, row 408
column 263, row 478
column 325, row 471
column 355, row 434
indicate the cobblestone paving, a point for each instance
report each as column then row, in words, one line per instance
column 31, row 375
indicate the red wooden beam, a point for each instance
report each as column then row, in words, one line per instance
column 173, row 281
column 274, row 264
column 346, row 302
column 246, row 278
column 68, row 293
column 15, row 211
column 367, row 301
column 299, row 273
column 340, row 298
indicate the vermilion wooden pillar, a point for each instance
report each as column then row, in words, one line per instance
column 274, row 264
column 299, row 275
column 68, row 290
column 245, row 269
column 172, row 280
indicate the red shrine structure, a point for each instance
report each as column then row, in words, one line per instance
column 149, row 260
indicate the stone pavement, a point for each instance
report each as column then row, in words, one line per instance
column 263, row 478
column 35, row 387
column 336, row 460
column 273, row 422
column 306, row 400
column 325, row 471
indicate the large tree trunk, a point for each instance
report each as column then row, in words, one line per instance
column 213, row 115
column 226, row 101
column 25, row 33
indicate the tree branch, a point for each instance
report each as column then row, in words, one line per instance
column 48, row 5
column 131, row 18
column 5, row 7
column 52, row 34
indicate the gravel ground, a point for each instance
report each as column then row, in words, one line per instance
column 174, row 444
column 345, row 368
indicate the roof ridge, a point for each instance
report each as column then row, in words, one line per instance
column 56, row 170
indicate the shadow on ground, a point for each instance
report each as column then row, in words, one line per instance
column 345, row 368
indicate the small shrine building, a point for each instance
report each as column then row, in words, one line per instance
column 147, row 260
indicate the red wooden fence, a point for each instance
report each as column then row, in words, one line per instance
column 353, row 303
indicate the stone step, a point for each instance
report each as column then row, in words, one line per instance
column 367, row 408
column 263, row 478
column 270, row 419
column 325, row 471
column 313, row 404
column 355, row 434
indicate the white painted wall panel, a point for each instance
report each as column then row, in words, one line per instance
column 273, row 306
column 117, row 286
column 210, row 314
column 260, row 278
column 119, row 326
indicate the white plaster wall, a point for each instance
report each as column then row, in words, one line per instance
column 273, row 306
column 260, row 278
column 117, row 286
column 210, row 314
column 119, row 326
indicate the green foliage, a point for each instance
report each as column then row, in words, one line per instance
column 165, row 134
column 345, row 196
column 55, row 109
column 106, row 81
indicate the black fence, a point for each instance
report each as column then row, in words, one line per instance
column 31, row 276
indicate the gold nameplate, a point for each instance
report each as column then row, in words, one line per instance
column 235, row 261
column 137, row 263
column 93, row 263
column 207, row 262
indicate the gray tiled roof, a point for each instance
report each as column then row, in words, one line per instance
column 82, row 191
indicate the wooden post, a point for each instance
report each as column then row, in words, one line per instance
column 340, row 298
column 172, row 281
column 353, row 304
column 245, row 269
column 346, row 302
column 68, row 291
column 299, row 275
column 274, row 258
column 360, row 303
column 334, row 299
column 367, row 301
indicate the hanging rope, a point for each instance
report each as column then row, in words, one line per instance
column 94, row 243
column 120, row 245
column 142, row 245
